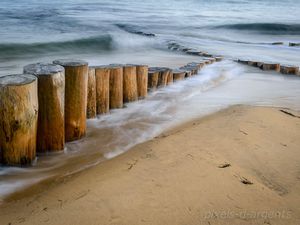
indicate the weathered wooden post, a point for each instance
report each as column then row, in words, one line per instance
column 206, row 61
column 170, row 77
column 205, row 54
column 152, row 78
column 252, row 63
column 91, row 109
column 259, row 64
column 193, row 69
column 197, row 53
column 293, row 44
column 277, row 43
column 243, row 61
column 130, row 91
column 115, row 86
column 210, row 59
column 188, row 73
column 219, row 58
column 18, row 119
column 76, row 76
column 197, row 65
column 287, row 69
column 201, row 64
column 142, row 80
column 271, row 66
column 163, row 76
column 51, row 98
column 178, row 74
column 102, row 88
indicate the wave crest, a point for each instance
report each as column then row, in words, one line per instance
column 265, row 28
column 15, row 50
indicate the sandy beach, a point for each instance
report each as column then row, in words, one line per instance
column 237, row 166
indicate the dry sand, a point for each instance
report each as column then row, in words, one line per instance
column 176, row 178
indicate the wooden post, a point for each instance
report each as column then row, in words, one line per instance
column 186, row 49
column 243, row 61
column 252, row 63
column 286, row 69
column 199, row 65
column 163, row 74
column 76, row 75
column 291, row 44
column 91, row 109
column 51, row 98
column 259, row 64
column 178, row 74
column 194, row 52
column 193, row 69
column 206, row 61
column 277, row 43
column 271, row 66
column 152, row 78
column 188, row 73
column 170, row 78
column 102, row 89
column 219, row 58
column 212, row 60
column 115, row 86
column 207, row 55
column 142, row 80
column 18, row 119
column 130, row 92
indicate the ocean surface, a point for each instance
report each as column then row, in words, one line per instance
column 110, row 31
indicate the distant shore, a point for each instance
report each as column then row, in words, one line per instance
column 237, row 166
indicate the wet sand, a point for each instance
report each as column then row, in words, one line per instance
column 237, row 166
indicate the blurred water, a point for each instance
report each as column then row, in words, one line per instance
column 43, row 30
column 110, row 31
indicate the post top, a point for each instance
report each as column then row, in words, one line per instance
column 270, row 63
column 289, row 66
column 158, row 69
column 189, row 67
column 17, row 80
column 42, row 69
column 115, row 65
column 100, row 67
column 132, row 64
column 70, row 62
column 178, row 71
column 193, row 64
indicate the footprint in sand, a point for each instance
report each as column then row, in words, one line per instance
column 224, row 165
column 245, row 181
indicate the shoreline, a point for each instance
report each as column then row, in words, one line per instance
column 234, row 161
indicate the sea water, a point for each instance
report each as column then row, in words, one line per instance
column 128, row 31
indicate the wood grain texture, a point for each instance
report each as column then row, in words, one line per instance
column 51, row 97
column 18, row 119
column 76, row 81
column 102, row 89
column 152, row 79
column 142, row 80
column 115, row 86
column 130, row 92
column 91, row 109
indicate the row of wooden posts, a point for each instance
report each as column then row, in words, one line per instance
column 284, row 69
column 47, row 105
